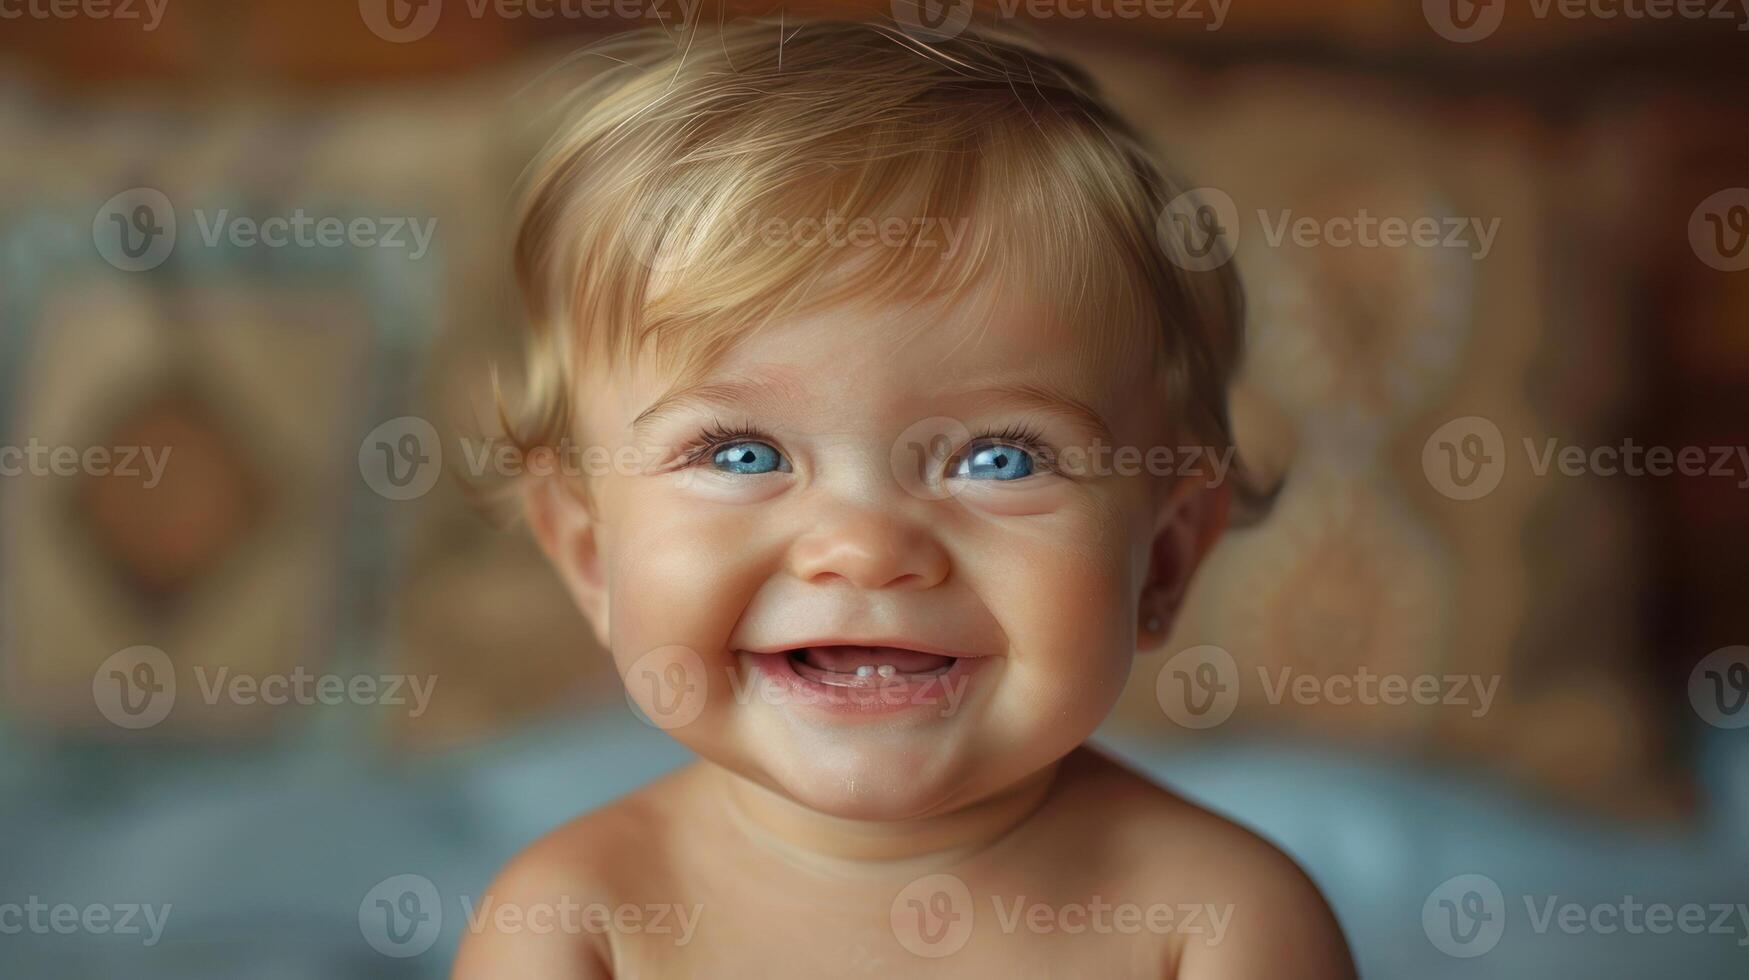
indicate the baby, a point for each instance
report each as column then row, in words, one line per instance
column 879, row 339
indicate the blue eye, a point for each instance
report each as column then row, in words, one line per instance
column 995, row 461
column 749, row 457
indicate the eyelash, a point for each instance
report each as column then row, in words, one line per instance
column 1020, row 434
column 715, row 436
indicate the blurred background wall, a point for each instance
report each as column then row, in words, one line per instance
column 1586, row 175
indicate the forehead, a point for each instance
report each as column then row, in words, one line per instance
column 927, row 341
column 862, row 360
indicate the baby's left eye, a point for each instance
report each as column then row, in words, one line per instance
column 989, row 460
column 749, row 456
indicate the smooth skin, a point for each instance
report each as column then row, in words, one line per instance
column 796, row 844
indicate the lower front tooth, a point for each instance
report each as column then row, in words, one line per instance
column 886, row 670
column 865, row 671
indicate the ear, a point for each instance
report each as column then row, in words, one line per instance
column 1188, row 524
column 564, row 526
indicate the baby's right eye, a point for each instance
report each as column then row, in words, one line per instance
column 749, row 457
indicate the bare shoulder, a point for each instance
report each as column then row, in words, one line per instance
column 1260, row 914
column 533, row 919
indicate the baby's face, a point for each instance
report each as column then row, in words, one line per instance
column 845, row 567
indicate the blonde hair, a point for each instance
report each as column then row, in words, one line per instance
column 633, row 238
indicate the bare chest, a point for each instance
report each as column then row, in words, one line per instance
column 934, row 925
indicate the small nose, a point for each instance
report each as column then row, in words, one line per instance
column 869, row 550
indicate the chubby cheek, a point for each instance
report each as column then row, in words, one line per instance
column 678, row 579
column 1063, row 591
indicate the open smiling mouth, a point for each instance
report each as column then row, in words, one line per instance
column 865, row 678
column 863, row 666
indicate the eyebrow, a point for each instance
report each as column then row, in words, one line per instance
column 1043, row 397
column 724, row 392
column 1035, row 395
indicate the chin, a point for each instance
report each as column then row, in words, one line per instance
column 862, row 783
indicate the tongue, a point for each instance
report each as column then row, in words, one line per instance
column 846, row 659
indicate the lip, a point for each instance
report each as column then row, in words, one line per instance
column 898, row 643
column 935, row 693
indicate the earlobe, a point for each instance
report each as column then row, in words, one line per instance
column 1190, row 523
column 563, row 525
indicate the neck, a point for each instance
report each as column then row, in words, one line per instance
column 845, row 845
